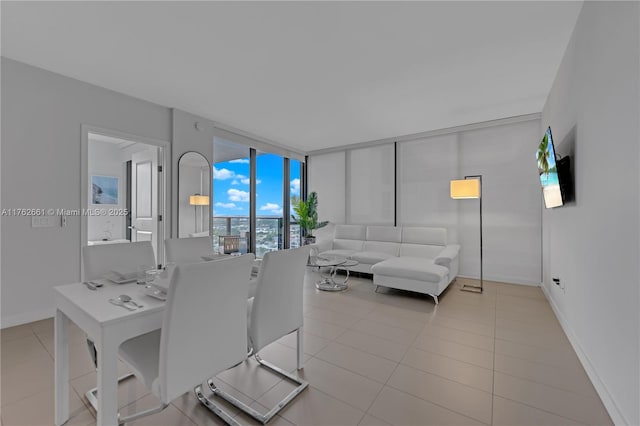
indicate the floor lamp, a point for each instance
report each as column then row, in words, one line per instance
column 470, row 188
column 197, row 200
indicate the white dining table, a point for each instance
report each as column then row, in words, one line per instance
column 108, row 326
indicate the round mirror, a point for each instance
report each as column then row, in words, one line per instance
column 194, row 191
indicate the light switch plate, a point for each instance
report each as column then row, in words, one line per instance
column 43, row 221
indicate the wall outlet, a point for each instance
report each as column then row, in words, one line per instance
column 43, row 222
column 559, row 283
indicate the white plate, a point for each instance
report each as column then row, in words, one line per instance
column 119, row 277
column 154, row 292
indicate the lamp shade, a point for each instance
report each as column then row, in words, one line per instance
column 199, row 200
column 465, row 188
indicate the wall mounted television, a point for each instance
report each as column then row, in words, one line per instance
column 555, row 174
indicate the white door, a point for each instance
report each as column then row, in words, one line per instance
column 144, row 197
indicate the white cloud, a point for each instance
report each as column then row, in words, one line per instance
column 237, row 195
column 246, row 181
column 272, row 208
column 223, row 174
column 295, row 186
column 226, row 205
column 240, row 161
column 235, row 182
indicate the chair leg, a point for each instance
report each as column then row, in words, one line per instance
column 262, row 418
column 145, row 413
column 92, row 394
column 226, row 417
column 300, row 348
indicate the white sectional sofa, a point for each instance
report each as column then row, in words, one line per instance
column 407, row 258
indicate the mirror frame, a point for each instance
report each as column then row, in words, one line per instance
column 179, row 195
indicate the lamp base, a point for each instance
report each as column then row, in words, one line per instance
column 471, row 288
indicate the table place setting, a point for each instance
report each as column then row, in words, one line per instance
column 126, row 302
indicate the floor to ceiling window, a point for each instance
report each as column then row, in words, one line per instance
column 231, row 196
column 269, row 203
column 295, row 180
column 276, row 180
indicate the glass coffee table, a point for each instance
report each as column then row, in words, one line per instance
column 328, row 282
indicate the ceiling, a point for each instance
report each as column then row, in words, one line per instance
column 308, row 75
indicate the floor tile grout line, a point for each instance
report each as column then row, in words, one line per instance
column 548, row 385
column 471, row 332
column 455, row 359
column 541, row 409
column 455, row 341
column 449, row 379
column 439, row 405
column 389, row 325
column 397, row 364
column 355, row 372
column 534, row 362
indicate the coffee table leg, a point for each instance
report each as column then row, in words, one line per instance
column 329, row 284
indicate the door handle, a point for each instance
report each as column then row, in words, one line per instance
column 131, row 227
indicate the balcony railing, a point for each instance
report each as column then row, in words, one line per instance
column 269, row 232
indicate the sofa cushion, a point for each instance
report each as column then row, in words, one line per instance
column 354, row 245
column 343, row 253
column 424, row 236
column 412, row 268
column 419, row 250
column 382, row 247
column 371, row 257
column 350, row 232
column 391, row 234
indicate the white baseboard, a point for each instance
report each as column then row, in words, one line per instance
column 601, row 389
column 26, row 317
column 503, row 280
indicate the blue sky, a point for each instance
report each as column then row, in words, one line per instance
column 231, row 186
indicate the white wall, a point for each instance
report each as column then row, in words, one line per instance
column 592, row 243
column 511, row 196
column 503, row 153
column 42, row 115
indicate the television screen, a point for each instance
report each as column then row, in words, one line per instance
column 548, row 171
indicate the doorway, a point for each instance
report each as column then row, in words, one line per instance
column 123, row 190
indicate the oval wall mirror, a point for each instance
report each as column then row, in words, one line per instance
column 194, row 191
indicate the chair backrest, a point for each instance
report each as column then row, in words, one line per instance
column 187, row 250
column 277, row 306
column 204, row 328
column 99, row 260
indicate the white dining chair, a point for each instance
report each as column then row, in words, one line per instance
column 205, row 314
column 187, row 250
column 100, row 260
column 274, row 312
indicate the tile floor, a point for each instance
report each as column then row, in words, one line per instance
column 370, row 358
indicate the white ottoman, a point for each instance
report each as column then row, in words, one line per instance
column 413, row 274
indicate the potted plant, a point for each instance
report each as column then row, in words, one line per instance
column 307, row 216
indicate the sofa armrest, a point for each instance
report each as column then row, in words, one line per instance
column 448, row 255
column 320, row 246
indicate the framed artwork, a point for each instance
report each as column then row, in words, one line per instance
column 104, row 189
